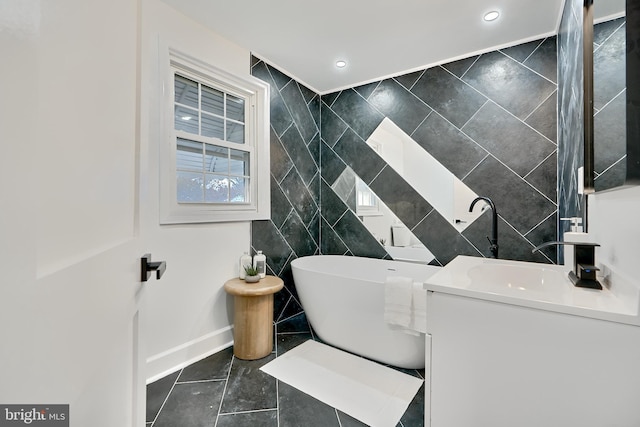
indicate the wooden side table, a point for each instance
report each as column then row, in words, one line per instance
column 253, row 316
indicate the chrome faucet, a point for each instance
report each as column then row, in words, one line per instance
column 493, row 241
column 584, row 270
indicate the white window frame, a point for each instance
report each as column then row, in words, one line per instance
column 373, row 208
column 255, row 92
column 369, row 209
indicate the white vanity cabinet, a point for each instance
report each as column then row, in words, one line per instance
column 496, row 364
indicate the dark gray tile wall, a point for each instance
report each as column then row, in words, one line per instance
column 609, row 108
column 293, row 230
column 609, row 90
column 633, row 93
column 490, row 119
column 571, row 117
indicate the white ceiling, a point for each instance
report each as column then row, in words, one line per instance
column 377, row 38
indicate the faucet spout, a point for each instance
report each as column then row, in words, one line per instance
column 493, row 240
column 584, row 270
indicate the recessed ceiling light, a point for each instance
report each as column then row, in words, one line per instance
column 341, row 64
column 491, row 16
column 186, row 118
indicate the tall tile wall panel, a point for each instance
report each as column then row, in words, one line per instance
column 489, row 119
column 609, row 87
column 294, row 228
column 609, row 108
column 570, row 106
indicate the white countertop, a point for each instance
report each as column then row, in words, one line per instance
column 539, row 286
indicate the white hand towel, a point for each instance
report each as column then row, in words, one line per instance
column 419, row 312
column 397, row 298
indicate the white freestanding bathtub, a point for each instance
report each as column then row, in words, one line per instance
column 343, row 298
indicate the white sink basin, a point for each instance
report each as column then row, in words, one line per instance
column 516, row 279
column 541, row 286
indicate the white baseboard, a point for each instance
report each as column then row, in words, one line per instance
column 176, row 358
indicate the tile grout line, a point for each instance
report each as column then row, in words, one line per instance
column 213, row 380
column 277, row 346
column 166, row 398
column 609, row 36
column 338, row 417
column 470, row 67
column 489, row 98
column 614, row 163
column 528, row 56
column 277, row 399
column 249, row 411
column 224, row 391
column 610, row 101
column 540, row 164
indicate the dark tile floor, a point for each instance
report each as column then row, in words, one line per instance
column 223, row 391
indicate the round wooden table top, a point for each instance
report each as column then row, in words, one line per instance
column 267, row 285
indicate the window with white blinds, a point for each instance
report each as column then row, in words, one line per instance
column 219, row 152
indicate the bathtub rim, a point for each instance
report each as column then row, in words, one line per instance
column 431, row 269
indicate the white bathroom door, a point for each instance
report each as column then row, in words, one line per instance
column 70, row 249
